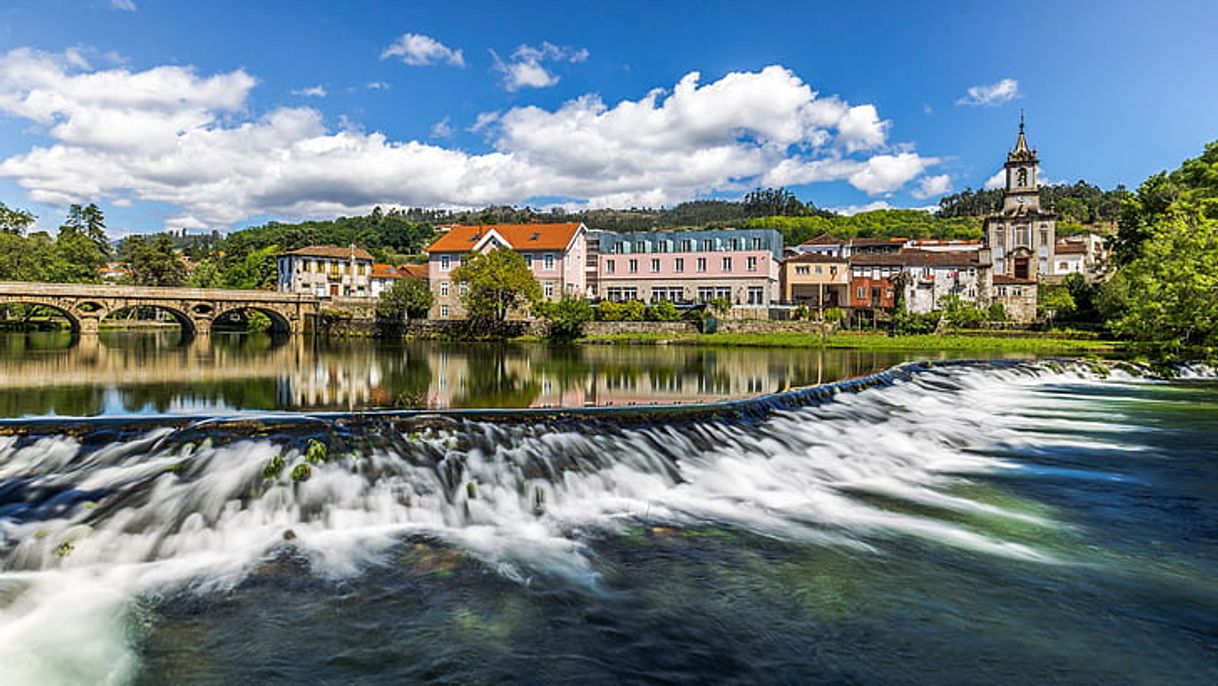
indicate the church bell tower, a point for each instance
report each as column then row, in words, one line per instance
column 1022, row 236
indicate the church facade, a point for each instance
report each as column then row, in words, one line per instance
column 1022, row 236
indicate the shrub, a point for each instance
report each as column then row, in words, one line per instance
column 567, row 317
column 801, row 312
column 835, row 314
column 721, row 306
column 609, row 311
column 663, row 311
column 906, row 323
column 633, row 311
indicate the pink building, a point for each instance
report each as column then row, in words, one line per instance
column 556, row 253
column 740, row 265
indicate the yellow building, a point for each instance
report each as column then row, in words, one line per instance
column 815, row 280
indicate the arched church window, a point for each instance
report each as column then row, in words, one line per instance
column 1022, row 176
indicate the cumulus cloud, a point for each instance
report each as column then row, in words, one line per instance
column 524, row 68
column 311, row 92
column 123, row 5
column 993, row 94
column 419, row 50
column 933, row 187
column 999, row 179
column 170, row 135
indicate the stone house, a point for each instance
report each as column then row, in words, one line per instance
column 326, row 271
column 1018, row 297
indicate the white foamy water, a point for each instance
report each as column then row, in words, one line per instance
column 100, row 528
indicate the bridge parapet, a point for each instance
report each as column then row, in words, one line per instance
column 85, row 305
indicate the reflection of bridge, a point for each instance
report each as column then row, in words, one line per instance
column 195, row 309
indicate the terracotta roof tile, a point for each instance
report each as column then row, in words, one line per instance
column 463, row 238
column 414, row 271
column 1004, row 280
column 815, row 257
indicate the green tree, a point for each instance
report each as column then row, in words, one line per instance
column 1056, row 303
column 497, row 281
column 406, row 299
column 89, row 221
column 13, row 220
column 207, row 274
column 1168, row 290
column 633, row 311
column 773, row 202
column 153, row 262
column 76, row 258
column 567, row 317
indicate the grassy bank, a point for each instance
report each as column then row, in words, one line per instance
column 863, row 342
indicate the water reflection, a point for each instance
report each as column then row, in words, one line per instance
column 125, row 373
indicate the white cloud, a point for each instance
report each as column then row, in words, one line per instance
column 442, row 129
column 171, row 136
column 311, row 92
column 377, row 86
column 993, row 94
column 998, row 180
column 123, row 5
column 524, row 69
column 419, row 50
column 851, row 210
column 933, row 187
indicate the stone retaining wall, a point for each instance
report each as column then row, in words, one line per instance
column 764, row 326
column 611, row 328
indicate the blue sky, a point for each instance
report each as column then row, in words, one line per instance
column 219, row 114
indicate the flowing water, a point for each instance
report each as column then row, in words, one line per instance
column 987, row 522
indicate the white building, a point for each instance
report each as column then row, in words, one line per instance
column 326, row 271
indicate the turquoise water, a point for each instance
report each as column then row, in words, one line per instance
column 977, row 523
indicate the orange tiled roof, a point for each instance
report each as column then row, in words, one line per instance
column 385, row 271
column 413, row 271
column 1004, row 280
column 1071, row 248
column 463, row 238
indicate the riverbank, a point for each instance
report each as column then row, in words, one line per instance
column 864, row 342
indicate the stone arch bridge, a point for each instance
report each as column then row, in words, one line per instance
column 86, row 305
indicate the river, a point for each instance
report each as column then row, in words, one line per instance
column 961, row 522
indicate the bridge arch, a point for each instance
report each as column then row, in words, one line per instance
column 279, row 322
column 74, row 318
column 189, row 327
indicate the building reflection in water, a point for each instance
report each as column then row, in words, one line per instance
column 124, row 373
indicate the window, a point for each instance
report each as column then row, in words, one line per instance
column 701, row 264
column 801, row 270
column 445, row 263
column 706, row 294
column 733, row 244
column 723, row 292
column 752, row 264
column 707, row 245
column 444, row 288
column 640, row 246
column 687, row 245
column 549, row 289
column 727, row 264
column 678, row 264
column 528, row 260
column 609, row 266
column 655, row 265
column 662, row 246
column 756, row 243
column 634, row 266
column 549, row 261
column 861, row 293
column 444, row 311
column 463, row 289
column 756, row 295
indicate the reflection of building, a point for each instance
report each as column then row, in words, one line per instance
column 556, row 254
column 1022, row 236
column 740, row 265
column 326, row 271
column 815, row 280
